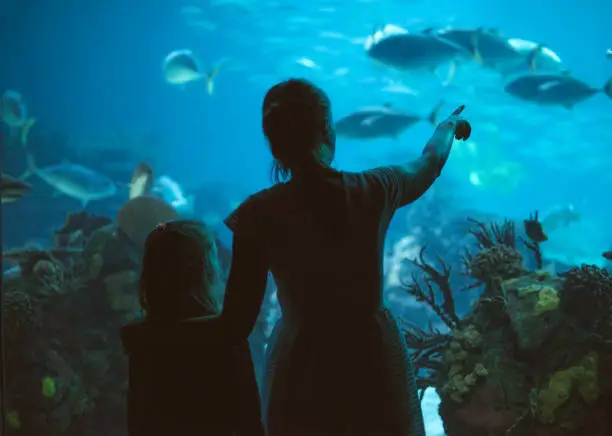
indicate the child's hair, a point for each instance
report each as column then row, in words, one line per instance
column 179, row 270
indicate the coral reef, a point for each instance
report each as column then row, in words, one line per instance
column 533, row 354
column 65, row 368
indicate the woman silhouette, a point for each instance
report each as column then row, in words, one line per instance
column 338, row 363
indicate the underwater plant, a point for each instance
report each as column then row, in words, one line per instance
column 531, row 357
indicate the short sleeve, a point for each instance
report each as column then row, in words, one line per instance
column 403, row 184
column 245, row 219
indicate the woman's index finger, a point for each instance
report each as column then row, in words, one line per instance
column 459, row 110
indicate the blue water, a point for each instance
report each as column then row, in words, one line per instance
column 91, row 70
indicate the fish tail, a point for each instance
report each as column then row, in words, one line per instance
column 30, row 169
column 433, row 115
column 532, row 57
column 452, row 69
column 474, row 45
column 210, row 77
column 608, row 88
column 25, row 131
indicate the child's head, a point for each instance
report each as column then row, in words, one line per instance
column 180, row 272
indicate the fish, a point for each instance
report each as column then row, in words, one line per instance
column 609, row 53
column 172, row 193
column 553, row 89
column 534, row 230
column 181, row 67
column 383, row 32
column 539, row 57
column 560, row 217
column 607, row 255
column 415, row 51
column 74, row 180
column 14, row 113
column 142, row 181
column 486, row 46
column 380, row 122
column 12, row 189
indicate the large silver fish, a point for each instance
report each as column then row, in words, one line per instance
column 73, row 180
column 553, row 89
column 181, row 67
column 486, row 46
column 416, row 51
column 380, row 122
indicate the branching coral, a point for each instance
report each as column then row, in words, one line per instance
column 587, row 295
column 428, row 348
column 493, row 234
column 445, row 310
column 428, row 345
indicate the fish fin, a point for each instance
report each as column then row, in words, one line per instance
column 607, row 89
column 433, row 115
column 30, row 169
column 210, row 77
column 532, row 57
column 451, row 73
column 474, row 43
column 25, row 131
column 369, row 120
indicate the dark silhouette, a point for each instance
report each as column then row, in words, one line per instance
column 181, row 383
column 338, row 364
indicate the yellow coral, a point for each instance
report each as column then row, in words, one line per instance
column 582, row 376
column 547, row 300
column 587, row 378
column 555, row 395
column 470, row 337
column 470, row 379
column 480, row 370
column 48, row 387
column 13, row 419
